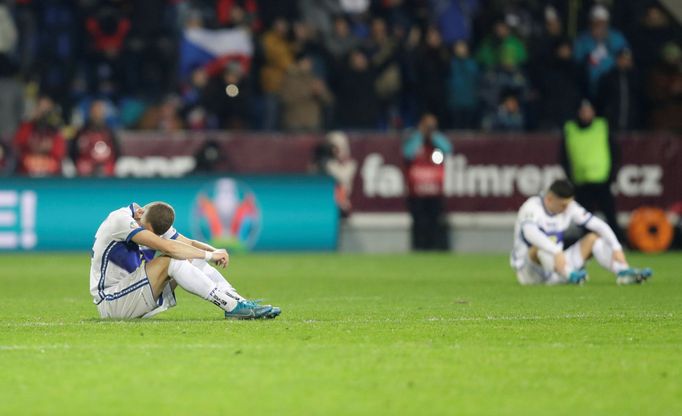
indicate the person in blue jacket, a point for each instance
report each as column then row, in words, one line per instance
column 596, row 48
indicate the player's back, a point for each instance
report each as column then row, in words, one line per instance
column 114, row 254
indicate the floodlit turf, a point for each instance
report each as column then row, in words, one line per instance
column 410, row 334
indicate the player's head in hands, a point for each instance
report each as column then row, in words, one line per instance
column 560, row 194
column 156, row 217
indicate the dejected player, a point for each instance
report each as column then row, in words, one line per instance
column 538, row 256
column 138, row 259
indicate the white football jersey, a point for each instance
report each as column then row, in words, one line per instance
column 115, row 255
column 552, row 225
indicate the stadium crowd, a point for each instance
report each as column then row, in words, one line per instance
column 72, row 72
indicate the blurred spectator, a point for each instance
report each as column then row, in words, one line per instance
column 618, row 97
column 544, row 44
column 424, row 152
column 432, row 68
column 354, row 6
column 463, row 87
column 454, row 18
column 136, row 52
column 590, row 157
column 307, row 42
column 195, row 102
column 654, row 30
column 11, row 91
column 383, row 50
column 596, row 48
column 209, row 158
column 238, row 13
column 271, row 10
column 107, row 28
column 279, row 55
column 58, row 49
column 95, row 149
column 664, row 89
column 498, row 44
column 559, row 87
column 332, row 157
column 39, row 142
column 506, row 78
column 165, row 116
column 7, row 160
column 340, row 41
column 509, row 115
column 358, row 106
column 8, row 32
column 150, row 52
column 319, row 14
column 303, row 97
column 228, row 97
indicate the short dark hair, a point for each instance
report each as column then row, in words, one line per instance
column 563, row 188
column 160, row 216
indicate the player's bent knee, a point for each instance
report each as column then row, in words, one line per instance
column 588, row 240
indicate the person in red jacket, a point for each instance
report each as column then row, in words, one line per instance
column 95, row 148
column 424, row 152
column 39, row 142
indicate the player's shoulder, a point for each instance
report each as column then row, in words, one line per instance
column 532, row 209
column 121, row 219
column 534, row 203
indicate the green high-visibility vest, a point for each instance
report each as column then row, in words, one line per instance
column 588, row 151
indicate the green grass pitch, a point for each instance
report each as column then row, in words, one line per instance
column 410, row 334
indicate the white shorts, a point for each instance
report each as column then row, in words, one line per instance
column 532, row 273
column 132, row 297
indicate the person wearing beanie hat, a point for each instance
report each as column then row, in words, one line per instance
column 596, row 48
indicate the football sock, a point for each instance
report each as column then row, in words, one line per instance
column 196, row 282
column 216, row 277
column 604, row 256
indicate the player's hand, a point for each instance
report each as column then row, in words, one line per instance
column 227, row 260
column 220, row 258
column 560, row 262
column 619, row 256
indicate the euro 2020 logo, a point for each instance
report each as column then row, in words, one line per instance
column 226, row 213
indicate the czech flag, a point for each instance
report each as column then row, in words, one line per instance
column 214, row 49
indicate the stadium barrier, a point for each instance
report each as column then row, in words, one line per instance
column 487, row 173
column 240, row 213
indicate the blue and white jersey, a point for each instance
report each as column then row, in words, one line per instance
column 114, row 254
column 533, row 211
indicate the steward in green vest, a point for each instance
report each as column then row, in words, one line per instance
column 590, row 156
column 588, row 151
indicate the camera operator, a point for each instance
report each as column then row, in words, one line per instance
column 424, row 152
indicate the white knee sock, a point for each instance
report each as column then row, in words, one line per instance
column 604, row 256
column 217, row 278
column 196, row 282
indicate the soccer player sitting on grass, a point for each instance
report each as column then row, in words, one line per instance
column 538, row 256
column 129, row 280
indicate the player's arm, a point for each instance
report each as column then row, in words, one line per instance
column 204, row 246
column 195, row 243
column 583, row 218
column 534, row 236
column 177, row 249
